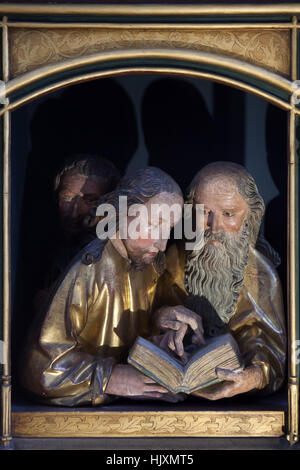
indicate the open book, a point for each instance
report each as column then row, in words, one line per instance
column 221, row 351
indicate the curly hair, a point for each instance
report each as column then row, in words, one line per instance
column 89, row 165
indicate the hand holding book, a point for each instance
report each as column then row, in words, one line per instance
column 127, row 381
column 234, row 383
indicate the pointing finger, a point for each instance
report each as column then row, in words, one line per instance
column 173, row 325
column 167, row 341
column 171, row 343
column 179, row 340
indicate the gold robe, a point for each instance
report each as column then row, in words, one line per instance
column 258, row 322
column 93, row 319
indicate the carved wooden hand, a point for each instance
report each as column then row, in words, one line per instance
column 234, row 383
column 176, row 321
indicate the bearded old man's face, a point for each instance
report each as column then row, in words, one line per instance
column 216, row 271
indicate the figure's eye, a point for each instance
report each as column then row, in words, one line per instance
column 205, row 211
column 228, row 214
column 66, row 198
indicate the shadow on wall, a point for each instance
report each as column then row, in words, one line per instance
column 175, row 121
column 180, row 134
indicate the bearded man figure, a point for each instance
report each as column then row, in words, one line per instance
column 227, row 285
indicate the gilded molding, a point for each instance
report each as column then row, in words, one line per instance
column 149, row 424
column 183, row 55
column 154, row 70
column 33, row 48
column 154, row 9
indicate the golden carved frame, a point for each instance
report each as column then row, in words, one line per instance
column 253, row 48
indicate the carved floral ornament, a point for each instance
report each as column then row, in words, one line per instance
column 32, row 48
column 230, row 424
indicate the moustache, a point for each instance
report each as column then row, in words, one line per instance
column 218, row 237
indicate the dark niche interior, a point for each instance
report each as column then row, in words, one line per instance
column 175, row 123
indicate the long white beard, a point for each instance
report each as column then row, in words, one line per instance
column 216, row 272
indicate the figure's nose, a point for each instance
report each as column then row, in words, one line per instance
column 74, row 209
column 214, row 222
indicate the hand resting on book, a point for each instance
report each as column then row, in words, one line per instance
column 126, row 381
column 235, row 382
